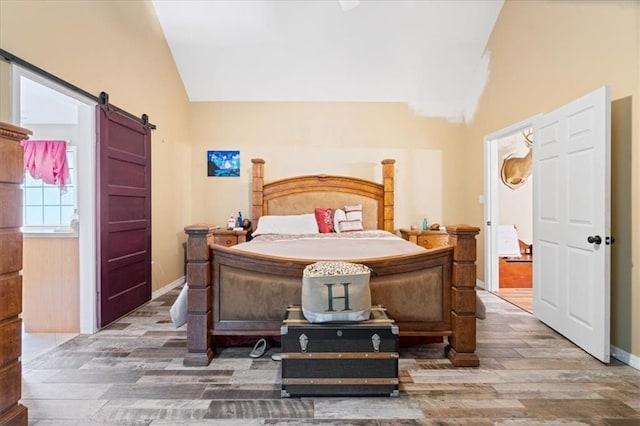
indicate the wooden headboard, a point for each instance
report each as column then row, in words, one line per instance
column 302, row 194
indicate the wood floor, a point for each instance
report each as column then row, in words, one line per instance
column 521, row 297
column 132, row 374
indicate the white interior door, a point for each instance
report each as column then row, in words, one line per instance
column 571, row 221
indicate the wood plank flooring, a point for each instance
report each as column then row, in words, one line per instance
column 521, row 297
column 132, row 374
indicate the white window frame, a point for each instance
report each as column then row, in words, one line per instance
column 62, row 227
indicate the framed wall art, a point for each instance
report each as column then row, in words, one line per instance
column 223, row 163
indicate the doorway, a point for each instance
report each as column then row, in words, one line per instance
column 59, row 233
column 508, row 209
column 571, row 219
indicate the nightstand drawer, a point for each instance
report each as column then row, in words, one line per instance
column 433, row 239
column 228, row 238
column 225, row 240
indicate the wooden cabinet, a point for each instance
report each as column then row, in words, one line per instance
column 229, row 238
column 516, row 272
column 426, row 239
column 11, row 176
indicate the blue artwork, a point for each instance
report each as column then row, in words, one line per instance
column 223, row 163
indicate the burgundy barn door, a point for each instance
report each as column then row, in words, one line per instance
column 124, row 214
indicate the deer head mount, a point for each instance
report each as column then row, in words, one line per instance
column 516, row 170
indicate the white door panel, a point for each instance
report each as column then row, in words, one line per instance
column 547, row 254
column 571, row 203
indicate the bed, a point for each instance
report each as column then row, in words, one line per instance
column 233, row 292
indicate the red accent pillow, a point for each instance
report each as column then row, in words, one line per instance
column 324, row 217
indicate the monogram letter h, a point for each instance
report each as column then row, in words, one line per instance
column 345, row 297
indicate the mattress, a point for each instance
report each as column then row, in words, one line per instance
column 331, row 246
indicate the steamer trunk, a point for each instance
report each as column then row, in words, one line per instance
column 339, row 358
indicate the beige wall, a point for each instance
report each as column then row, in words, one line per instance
column 331, row 138
column 543, row 55
column 118, row 47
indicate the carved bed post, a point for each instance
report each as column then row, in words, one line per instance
column 462, row 342
column 387, row 182
column 257, row 184
column 199, row 316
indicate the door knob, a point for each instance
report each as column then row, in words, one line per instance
column 594, row 239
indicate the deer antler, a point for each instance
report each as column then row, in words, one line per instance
column 527, row 136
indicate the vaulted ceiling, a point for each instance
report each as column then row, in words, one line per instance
column 430, row 53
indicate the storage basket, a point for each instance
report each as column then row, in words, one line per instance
column 336, row 291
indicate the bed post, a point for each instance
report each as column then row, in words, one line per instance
column 257, row 183
column 462, row 342
column 387, row 183
column 199, row 296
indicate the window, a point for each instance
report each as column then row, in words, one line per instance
column 46, row 208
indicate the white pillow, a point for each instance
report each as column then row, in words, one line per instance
column 338, row 216
column 350, row 225
column 287, row 224
column 352, row 220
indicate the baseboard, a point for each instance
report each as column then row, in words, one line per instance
column 167, row 288
column 480, row 284
column 626, row 357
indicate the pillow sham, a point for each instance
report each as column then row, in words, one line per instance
column 354, row 212
column 324, row 217
column 352, row 220
column 350, row 225
column 287, row 224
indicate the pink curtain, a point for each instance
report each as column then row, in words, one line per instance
column 47, row 160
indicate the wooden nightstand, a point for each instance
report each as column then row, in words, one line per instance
column 426, row 239
column 228, row 238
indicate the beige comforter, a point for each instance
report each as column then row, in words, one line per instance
column 331, row 246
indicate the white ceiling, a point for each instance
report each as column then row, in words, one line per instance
column 429, row 53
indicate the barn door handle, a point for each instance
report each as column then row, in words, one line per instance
column 597, row 240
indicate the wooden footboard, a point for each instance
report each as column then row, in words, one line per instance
column 233, row 293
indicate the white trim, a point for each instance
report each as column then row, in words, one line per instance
column 64, row 224
column 49, row 233
column 491, row 201
column 480, row 284
column 168, row 287
column 85, row 191
column 624, row 356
